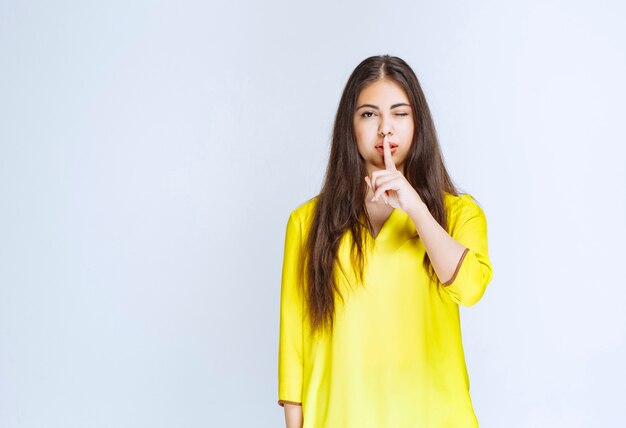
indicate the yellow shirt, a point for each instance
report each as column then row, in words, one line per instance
column 395, row 358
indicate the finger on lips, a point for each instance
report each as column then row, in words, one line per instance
column 389, row 166
column 389, row 163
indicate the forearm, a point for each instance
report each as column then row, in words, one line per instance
column 443, row 250
column 293, row 415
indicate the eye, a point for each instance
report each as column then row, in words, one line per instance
column 402, row 114
column 367, row 114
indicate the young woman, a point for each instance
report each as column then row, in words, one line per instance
column 375, row 268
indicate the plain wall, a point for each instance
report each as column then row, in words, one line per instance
column 151, row 152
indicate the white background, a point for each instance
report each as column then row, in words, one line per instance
column 151, row 152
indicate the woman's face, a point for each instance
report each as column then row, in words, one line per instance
column 383, row 107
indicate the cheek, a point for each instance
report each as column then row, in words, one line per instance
column 407, row 129
column 407, row 136
column 362, row 135
column 366, row 132
column 359, row 139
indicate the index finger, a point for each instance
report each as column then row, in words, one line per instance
column 389, row 164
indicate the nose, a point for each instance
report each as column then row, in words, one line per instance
column 385, row 128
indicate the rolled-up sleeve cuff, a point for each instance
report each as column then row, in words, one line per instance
column 283, row 402
column 458, row 268
column 470, row 281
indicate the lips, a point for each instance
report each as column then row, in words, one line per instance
column 391, row 146
column 381, row 149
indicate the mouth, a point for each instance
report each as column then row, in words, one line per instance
column 392, row 146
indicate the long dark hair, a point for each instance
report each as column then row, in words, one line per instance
column 340, row 204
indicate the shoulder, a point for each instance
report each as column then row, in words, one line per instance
column 462, row 199
column 303, row 213
column 461, row 206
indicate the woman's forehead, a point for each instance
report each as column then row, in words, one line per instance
column 384, row 90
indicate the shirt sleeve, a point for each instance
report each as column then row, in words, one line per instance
column 290, row 354
column 474, row 270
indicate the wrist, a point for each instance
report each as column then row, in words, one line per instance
column 417, row 209
column 420, row 214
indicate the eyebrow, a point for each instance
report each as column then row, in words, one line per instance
column 378, row 108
